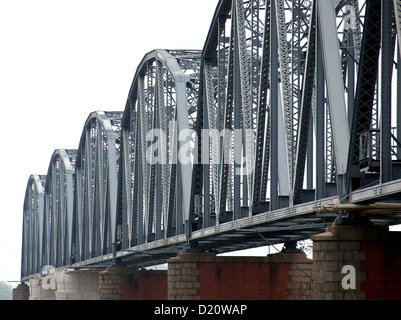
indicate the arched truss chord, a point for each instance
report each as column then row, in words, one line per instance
column 263, row 73
column 32, row 233
column 235, row 99
column 374, row 112
column 96, row 175
column 58, row 209
column 397, row 15
column 347, row 88
column 347, row 24
column 228, row 106
column 156, row 162
column 312, row 123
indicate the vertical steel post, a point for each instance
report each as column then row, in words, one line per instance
column 386, row 75
column 274, row 79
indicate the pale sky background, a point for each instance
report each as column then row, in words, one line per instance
column 61, row 60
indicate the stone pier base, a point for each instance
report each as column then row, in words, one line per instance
column 122, row 283
column 65, row 285
column 204, row 276
column 357, row 263
column 21, row 292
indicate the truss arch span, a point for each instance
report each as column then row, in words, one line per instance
column 159, row 116
column 58, row 208
column 93, row 229
column 232, row 82
column 32, row 225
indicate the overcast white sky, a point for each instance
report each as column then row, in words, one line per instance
column 61, row 60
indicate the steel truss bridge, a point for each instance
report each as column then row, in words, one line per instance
column 287, row 121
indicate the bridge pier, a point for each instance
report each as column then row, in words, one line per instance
column 21, row 292
column 113, row 283
column 124, row 283
column 65, row 284
column 205, row 276
column 37, row 291
column 77, row 284
column 357, row 263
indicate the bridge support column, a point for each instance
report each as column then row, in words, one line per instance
column 21, row 292
column 124, row 283
column 77, row 284
column 357, row 263
column 40, row 290
column 205, row 276
column 65, row 284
